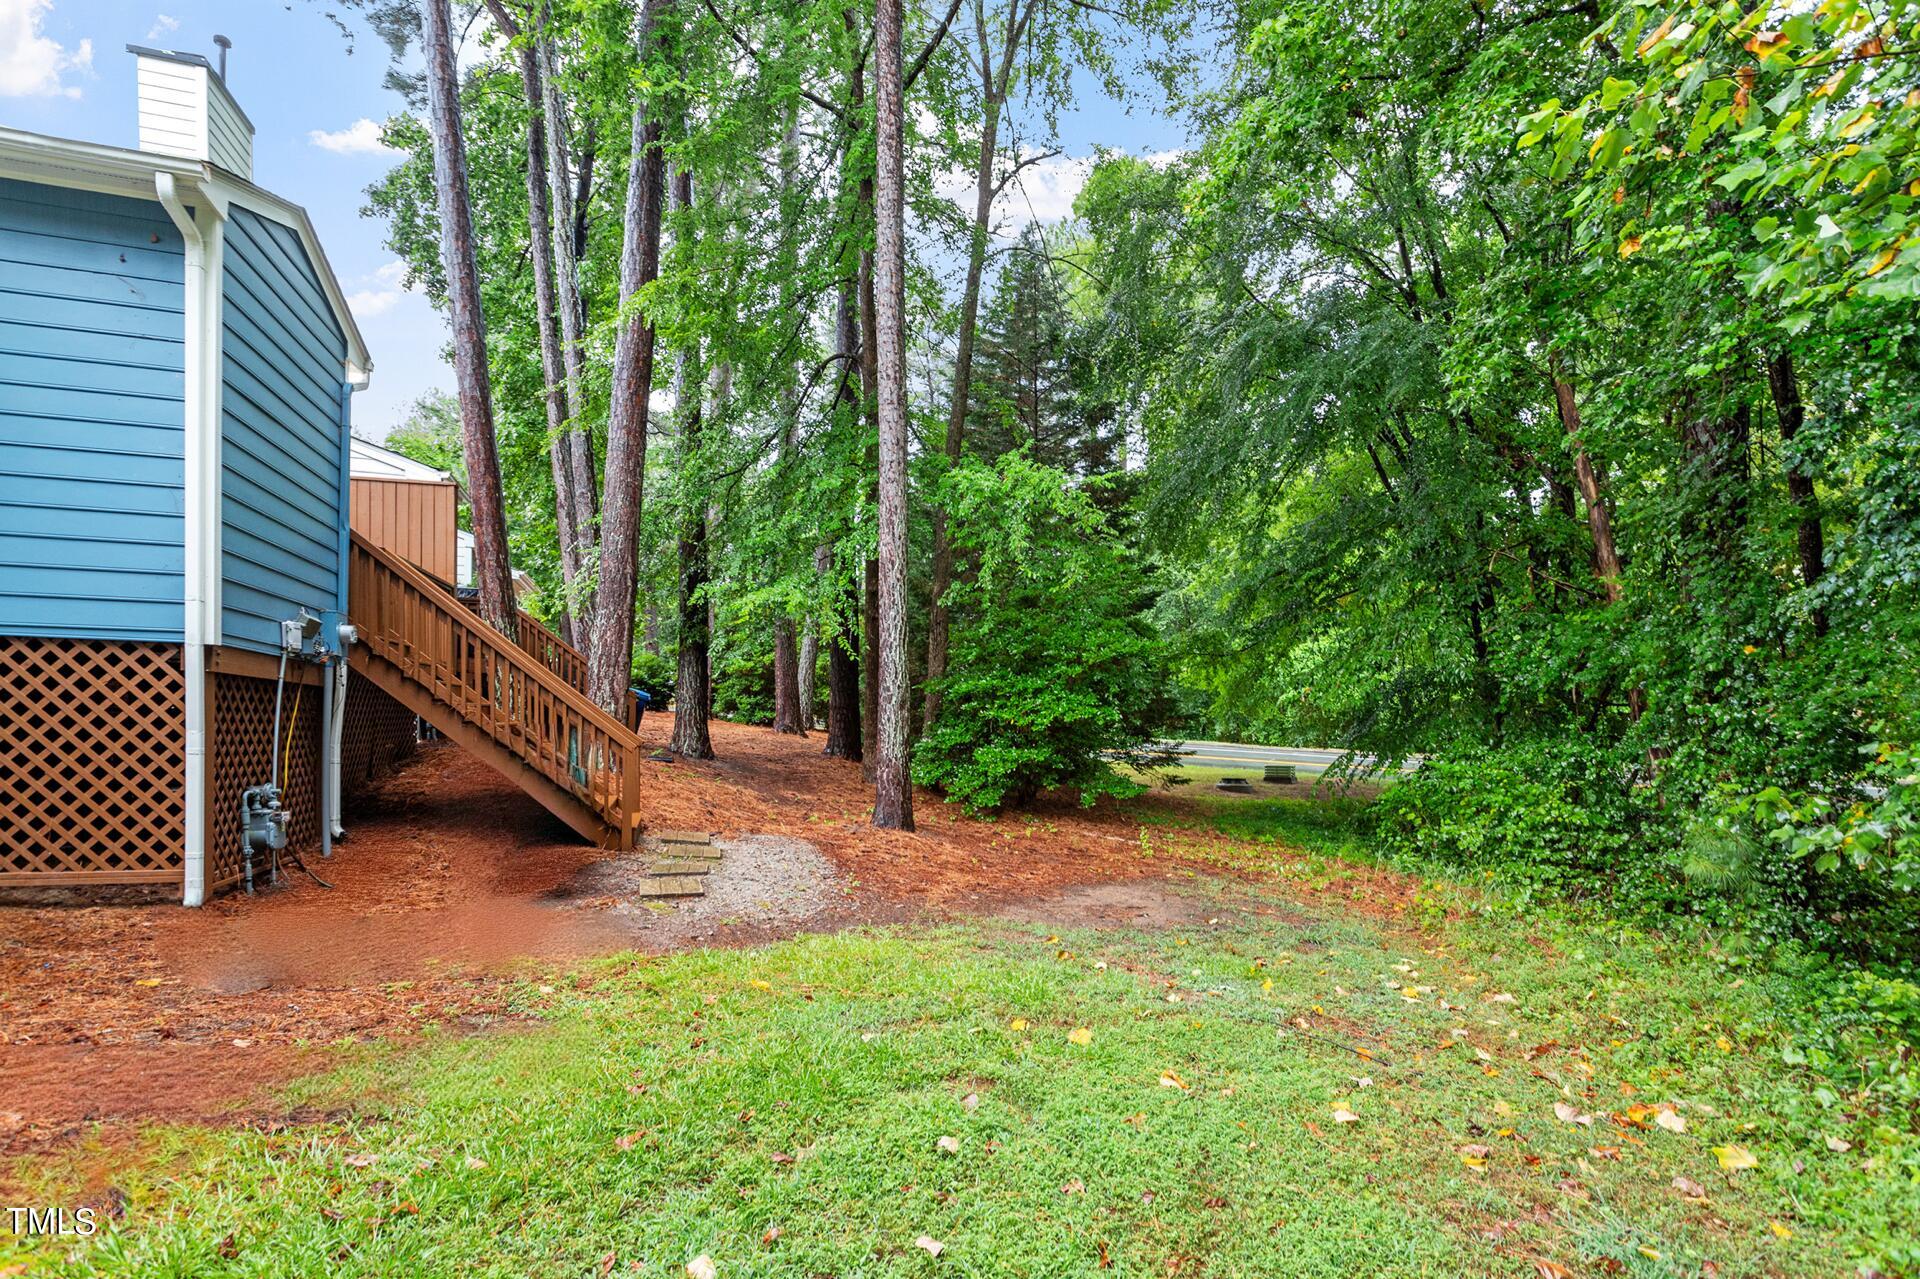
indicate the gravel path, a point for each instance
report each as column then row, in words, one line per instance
column 767, row 884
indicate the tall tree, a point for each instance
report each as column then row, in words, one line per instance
column 488, row 509
column 844, row 738
column 569, row 235
column 892, row 787
column 610, row 656
column 693, row 683
column 994, row 66
column 791, row 711
column 547, row 307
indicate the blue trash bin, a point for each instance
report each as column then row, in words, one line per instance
column 640, row 703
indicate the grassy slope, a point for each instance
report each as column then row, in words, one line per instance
column 652, row 1118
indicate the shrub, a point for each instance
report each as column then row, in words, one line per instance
column 1559, row 813
column 1052, row 673
column 654, row 672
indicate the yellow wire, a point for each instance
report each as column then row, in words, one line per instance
column 286, row 752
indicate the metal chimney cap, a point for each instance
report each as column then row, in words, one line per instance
column 224, row 44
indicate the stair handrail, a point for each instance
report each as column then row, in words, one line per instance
column 506, row 649
column 530, row 631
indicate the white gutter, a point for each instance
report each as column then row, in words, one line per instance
column 203, row 235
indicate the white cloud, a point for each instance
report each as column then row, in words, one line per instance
column 1044, row 190
column 362, row 137
column 163, row 26
column 383, row 290
column 31, row 65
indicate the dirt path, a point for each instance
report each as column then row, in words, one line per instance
column 451, row 879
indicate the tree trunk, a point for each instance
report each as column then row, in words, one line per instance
column 1606, row 557
column 491, row 566
column 610, row 659
column 870, row 583
column 809, row 660
column 790, row 713
column 937, row 617
column 1784, row 381
column 547, row 305
column 786, row 678
column 843, row 645
column 566, row 260
column 892, row 786
column 693, row 685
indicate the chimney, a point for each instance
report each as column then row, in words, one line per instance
column 186, row 110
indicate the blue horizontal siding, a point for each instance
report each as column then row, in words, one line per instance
column 91, row 437
column 280, row 435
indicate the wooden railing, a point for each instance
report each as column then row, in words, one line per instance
column 563, row 659
column 496, row 685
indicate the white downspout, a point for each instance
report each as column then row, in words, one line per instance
column 200, row 536
column 336, row 735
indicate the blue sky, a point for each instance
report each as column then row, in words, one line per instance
column 64, row 71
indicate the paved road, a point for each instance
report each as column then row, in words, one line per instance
column 1309, row 759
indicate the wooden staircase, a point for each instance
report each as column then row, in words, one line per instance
column 516, row 703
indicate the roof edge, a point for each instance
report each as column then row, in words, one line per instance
column 93, row 166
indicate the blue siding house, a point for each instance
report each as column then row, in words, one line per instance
column 177, row 362
column 91, row 429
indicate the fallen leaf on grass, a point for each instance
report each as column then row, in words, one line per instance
column 1500, row 998
column 1551, row 1270
column 1690, row 1188
column 1170, row 1080
column 629, row 1141
column 951, row 1145
column 1606, row 1152
column 1342, row 1116
column 931, row 1246
column 1073, row 1187
column 970, row 1102
column 1080, row 1035
column 1018, row 1023
column 1651, row 1254
column 1734, row 1158
column 702, row 1267
column 360, row 1159
column 780, row 1157
column 1569, row 1114
column 1839, row 1145
column 773, row 1233
column 475, row 1164
column 1670, row 1120
column 1779, row 1230
column 606, row 1265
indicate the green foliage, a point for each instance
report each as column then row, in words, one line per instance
column 1874, row 833
column 1545, row 812
column 743, row 681
column 1054, row 672
column 654, row 672
column 1804, row 119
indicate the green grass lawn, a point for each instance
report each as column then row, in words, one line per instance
column 783, row 1111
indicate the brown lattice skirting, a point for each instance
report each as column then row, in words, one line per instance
column 92, row 756
column 379, row 734
column 241, row 745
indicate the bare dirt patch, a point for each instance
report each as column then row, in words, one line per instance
column 1129, row 905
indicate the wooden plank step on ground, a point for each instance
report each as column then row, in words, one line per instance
column 674, row 886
